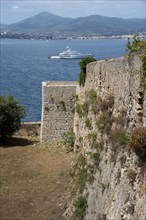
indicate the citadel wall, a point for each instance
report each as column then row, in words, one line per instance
column 58, row 100
column 116, row 190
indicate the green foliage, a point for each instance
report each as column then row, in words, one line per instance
column 123, row 138
column 92, row 96
column 144, row 65
column 78, row 109
column 82, row 175
column 11, row 113
column 88, row 123
column 82, row 78
column 136, row 45
column 92, row 138
column 82, row 109
column 96, row 158
column 144, row 73
column 82, row 179
column 83, row 63
column 118, row 136
column 85, row 108
column 81, row 160
column 104, row 121
column 80, row 207
column 69, row 140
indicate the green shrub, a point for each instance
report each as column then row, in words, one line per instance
column 82, row 173
column 96, row 158
column 85, row 108
column 83, row 63
column 81, row 160
column 11, row 113
column 82, row 179
column 135, row 45
column 118, row 136
column 78, row 109
column 82, row 78
column 80, row 139
column 92, row 96
column 92, row 138
column 80, row 207
column 69, row 140
column 123, row 138
column 104, row 121
column 88, row 123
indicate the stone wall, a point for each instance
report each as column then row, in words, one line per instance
column 58, row 100
column 29, row 129
column 116, row 190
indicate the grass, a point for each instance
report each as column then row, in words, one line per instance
column 80, row 207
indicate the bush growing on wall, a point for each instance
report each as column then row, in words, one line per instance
column 137, row 141
column 135, row 45
column 83, row 63
column 80, row 207
column 69, row 139
column 10, row 116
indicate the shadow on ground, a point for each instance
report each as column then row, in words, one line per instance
column 15, row 141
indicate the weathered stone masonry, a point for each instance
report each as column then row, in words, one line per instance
column 58, row 100
column 111, row 195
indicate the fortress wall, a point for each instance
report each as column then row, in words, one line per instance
column 111, row 195
column 58, row 100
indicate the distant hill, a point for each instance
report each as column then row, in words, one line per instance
column 95, row 24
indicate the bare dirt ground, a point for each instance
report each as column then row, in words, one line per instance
column 33, row 180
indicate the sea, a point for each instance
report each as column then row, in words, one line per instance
column 25, row 64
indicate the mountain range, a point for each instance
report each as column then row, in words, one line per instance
column 46, row 22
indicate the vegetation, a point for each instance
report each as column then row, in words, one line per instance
column 136, row 45
column 95, row 157
column 92, row 136
column 69, row 139
column 118, row 136
column 92, row 96
column 62, row 103
column 82, row 174
column 11, row 113
column 83, row 63
column 104, row 121
column 88, row 123
column 144, row 73
column 80, row 207
column 78, row 109
column 137, row 141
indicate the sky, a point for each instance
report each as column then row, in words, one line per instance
column 13, row 11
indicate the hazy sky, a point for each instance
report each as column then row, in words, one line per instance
column 13, row 11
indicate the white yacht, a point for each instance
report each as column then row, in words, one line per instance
column 70, row 54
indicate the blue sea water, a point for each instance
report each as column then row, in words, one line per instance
column 25, row 64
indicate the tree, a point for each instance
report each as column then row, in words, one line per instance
column 136, row 45
column 11, row 113
column 83, row 63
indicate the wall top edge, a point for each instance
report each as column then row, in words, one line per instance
column 60, row 83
